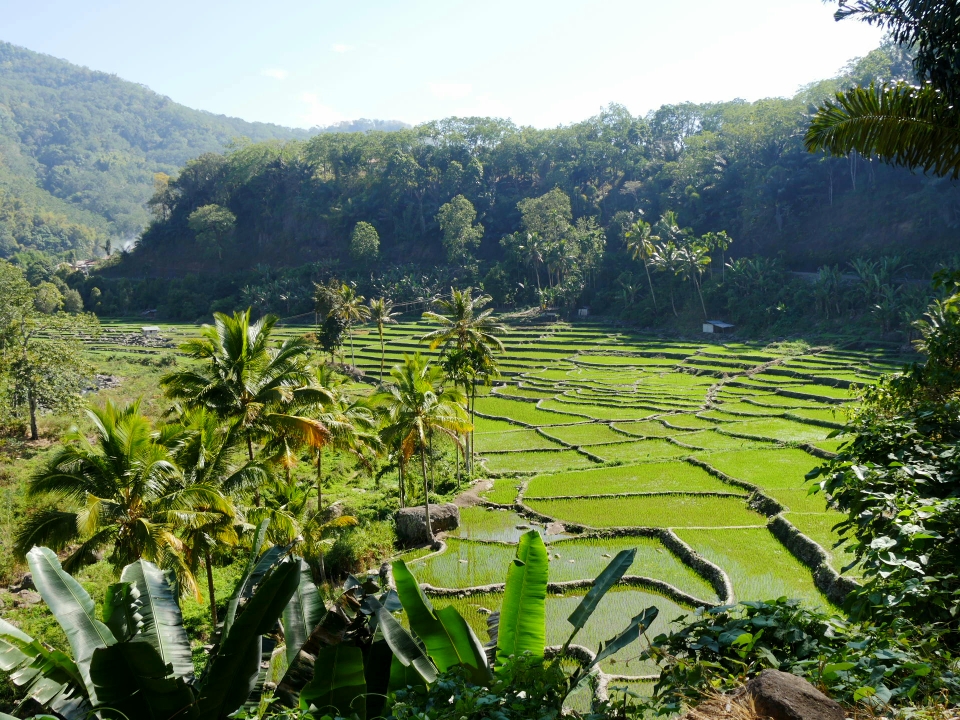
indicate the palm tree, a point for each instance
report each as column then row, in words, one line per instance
column 641, row 244
column 350, row 422
column 667, row 259
column 246, row 381
column 127, row 495
column 532, row 251
column 208, row 452
column 693, row 257
column 381, row 312
column 416, row 405
column 467, row 330
column 350, row 309
column 292, row 524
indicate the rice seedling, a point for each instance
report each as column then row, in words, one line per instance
column 778, row 429
column 503, row 492
column 648, row 477
column 713, row 440
column 647, row 428
column 599, row 412
column 758, row 565
column 657, row 511
column 818, row 526
column 638, row 450
column 687, row 421
column 516, row 439
column 822, row 391
column 536, row 460
column 512, row 391
column 779, row 468
column 481, row 523
column 587, row 434
column 525, row 412
column 832, row 414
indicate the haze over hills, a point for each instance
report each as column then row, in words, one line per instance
column 79, row 150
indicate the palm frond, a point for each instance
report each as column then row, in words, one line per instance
column 905, row 125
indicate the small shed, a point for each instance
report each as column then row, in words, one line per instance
column 583, row 312
column 716, row 326
column 150, row 331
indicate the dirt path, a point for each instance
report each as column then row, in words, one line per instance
column 471, row 496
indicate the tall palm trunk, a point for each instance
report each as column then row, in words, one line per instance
column 256, row 490
column 426, row 496
column 213, row 598
column 32, row 402
column 319, row 479
column 696, row 284
column 646, row 269
column 382, row 352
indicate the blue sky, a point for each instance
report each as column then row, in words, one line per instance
column 542, row 63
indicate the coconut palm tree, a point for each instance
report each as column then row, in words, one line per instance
column 641, row 244
column 415, row 405
column 467, row 331
column 381, row 313
column 350, row 309
column 350, row 422
column 247, row 381
column 209, row 452
column 124, row 494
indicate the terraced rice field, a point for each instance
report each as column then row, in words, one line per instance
column 602, row 441
column 685, row 451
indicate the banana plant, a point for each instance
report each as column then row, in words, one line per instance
column 521, row 629
column 353, row 655
column 135, row 660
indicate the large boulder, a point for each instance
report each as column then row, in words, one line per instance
column 412, row 522
column 783, row 696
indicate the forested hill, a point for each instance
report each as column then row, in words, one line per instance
column 734, row 166
column 79, row 150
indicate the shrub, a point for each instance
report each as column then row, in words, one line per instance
column 360, row 548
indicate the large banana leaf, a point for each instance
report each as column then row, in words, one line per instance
column 132, row 681
column 235, row 667
column 448, row 638
column 329, row 631
column 120, row 610
column 48, row 677
column 73, row 609
column 259, row 537
column 256, row 569
column 401, row 643
column 339, row 686
column 402, row 676
column 302, row 613
column 637, row 627
column 161, row 620
column 376, row 669
column 607, row 579
column 523, row 614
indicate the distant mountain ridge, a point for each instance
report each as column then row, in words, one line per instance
column 79, row 150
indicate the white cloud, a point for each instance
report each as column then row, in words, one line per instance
column 341, row 48
column 451, row 91
column 275, row 73
column 318, row 114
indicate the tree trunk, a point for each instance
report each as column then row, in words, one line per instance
column 213, row 598
column 382, row 354
column 400, row 479
column 32, row 402
column 696, row 284
column 456, row 450
column 319, row 479
column 256, row 491
column 650, row 283
column 426, row 496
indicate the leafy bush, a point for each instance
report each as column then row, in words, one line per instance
column 357, row 549
column 722, row 647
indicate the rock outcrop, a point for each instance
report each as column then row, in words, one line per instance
column 412, row 522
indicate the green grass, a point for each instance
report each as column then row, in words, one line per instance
column 648, row 477
column 660, row 511
column 759, row 567
column 519, row 462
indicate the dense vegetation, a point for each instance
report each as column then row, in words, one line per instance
column 79, row 150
